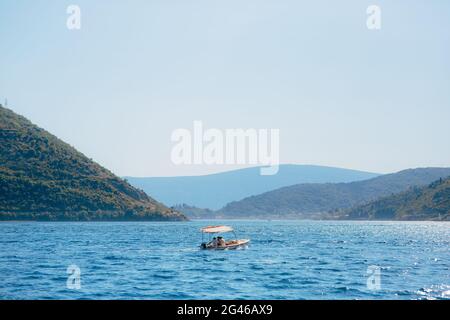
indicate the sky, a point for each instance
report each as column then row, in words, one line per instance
column 340, row 94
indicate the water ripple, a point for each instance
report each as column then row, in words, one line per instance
column 286, row 260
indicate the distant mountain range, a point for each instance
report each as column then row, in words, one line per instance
column 43, row 178
column 216, row 190
column 314, row 200
column 194, row 212
column 431, row 202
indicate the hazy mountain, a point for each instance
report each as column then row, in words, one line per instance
column 310, row 199
column 431, row 202
column 194, row 212
column 215, row 190
column 43, row 178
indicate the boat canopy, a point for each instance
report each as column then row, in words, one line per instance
column 216, row 229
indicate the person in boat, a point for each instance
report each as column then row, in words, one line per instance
column 213, row 243
column 220, row 242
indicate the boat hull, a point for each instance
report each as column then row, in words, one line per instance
column 231, row 245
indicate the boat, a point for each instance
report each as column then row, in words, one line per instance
column 224, row 244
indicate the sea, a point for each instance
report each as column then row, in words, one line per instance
column 284, row 260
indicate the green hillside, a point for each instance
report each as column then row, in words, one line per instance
column 43, row 178
column 316, row 200
column 426, row 203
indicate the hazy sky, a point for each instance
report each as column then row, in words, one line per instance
column 341, row 95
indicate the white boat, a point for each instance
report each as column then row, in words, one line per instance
column 218, row 243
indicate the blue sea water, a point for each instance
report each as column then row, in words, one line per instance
column 285, row 260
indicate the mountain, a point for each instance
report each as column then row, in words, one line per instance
column 193, row 212
column 215, row 190
column 431, row 202
column 43, row 178
column 308, row 200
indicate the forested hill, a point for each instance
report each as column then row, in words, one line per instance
column 43, row 178
column 420, row 203
column 313, row 199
